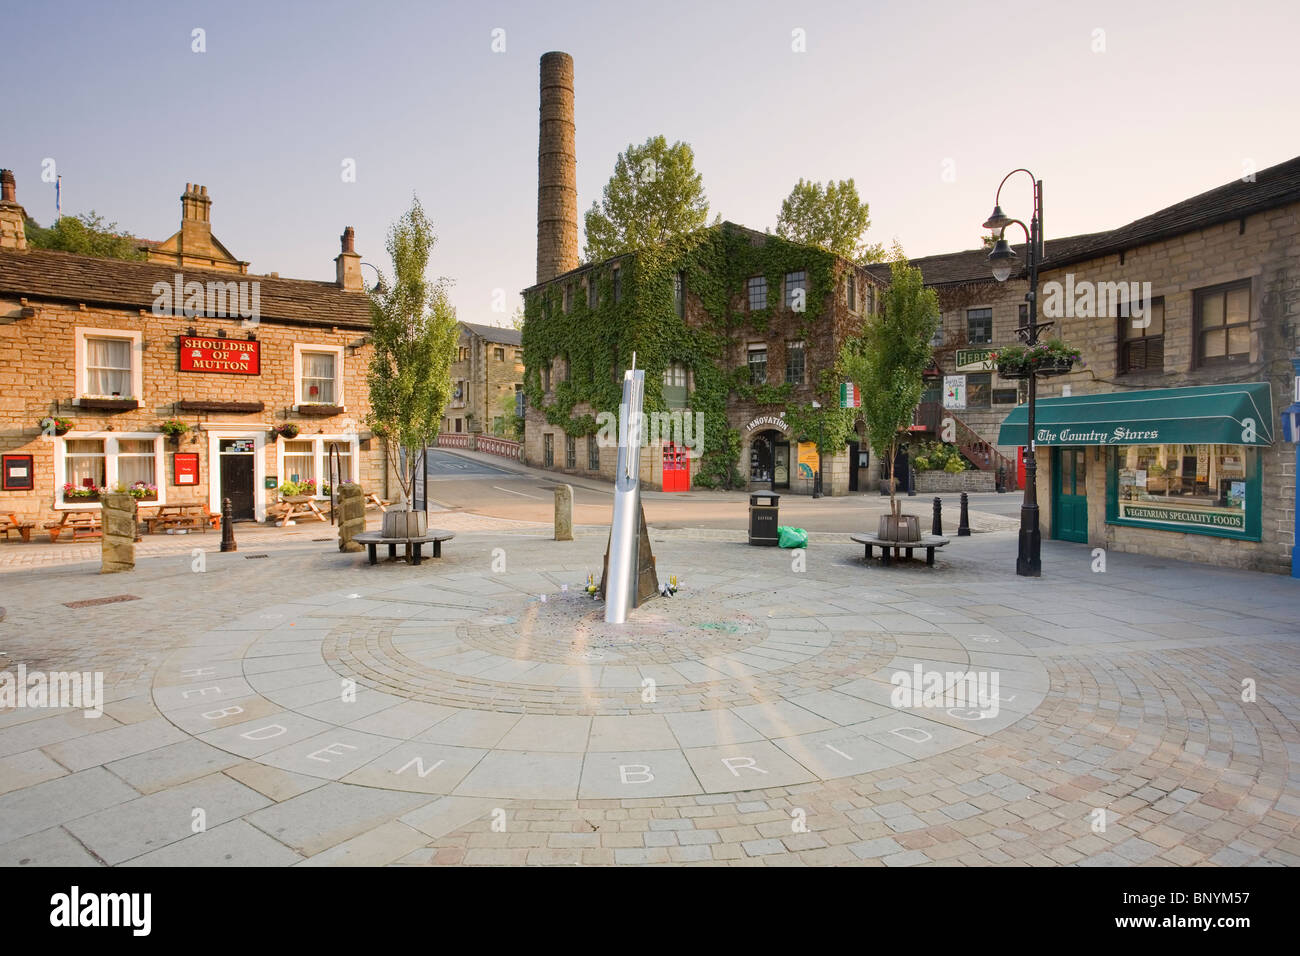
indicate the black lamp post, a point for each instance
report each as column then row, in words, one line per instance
column 1029, row 556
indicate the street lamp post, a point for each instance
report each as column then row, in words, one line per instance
column 1029, row 555
column 821, row 431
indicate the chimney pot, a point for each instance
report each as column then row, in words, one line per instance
column 8, row 186
column 348, row 239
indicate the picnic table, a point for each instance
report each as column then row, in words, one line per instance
column 374, row 501
column 928, row 541
column 189, row 516
column 82, row 524
column 372, row 539
column 11, row 523
column 296, row 506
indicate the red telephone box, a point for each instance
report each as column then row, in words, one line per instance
column 677, row 468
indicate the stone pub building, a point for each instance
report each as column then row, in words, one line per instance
column 269, row 374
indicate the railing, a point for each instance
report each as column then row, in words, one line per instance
column 472, row 441
column 499, row 446
column 931, row 415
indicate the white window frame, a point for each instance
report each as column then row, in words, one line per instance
column 320, row 457
column 136, row 339
column 337, row 350
column 110, row 440
column 216, row 433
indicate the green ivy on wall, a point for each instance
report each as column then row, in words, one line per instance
column 597, row 344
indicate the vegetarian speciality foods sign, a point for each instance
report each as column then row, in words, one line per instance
column 231, row 356
column 1231, row 520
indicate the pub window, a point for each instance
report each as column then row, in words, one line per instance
column 794, row 363
column 758, row 364
column 300, row 460
column 499, row 354
column 320, row 373
column 851, row 290
column 83, row 461
column 137, row 461
column 570, row 452
column 548, row 450
column 593, row 454
column 979, row 390
column 108, row 364
column 1141, row 340
column 679, row 293
column 1005, row 396
column 795, row 281
column 1222, row 316
column 108, row 367
column 757, row 291
column 979, row 326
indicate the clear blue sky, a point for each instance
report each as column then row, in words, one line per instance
column 892, row 94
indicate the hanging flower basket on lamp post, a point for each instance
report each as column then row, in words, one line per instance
column 1052, row 357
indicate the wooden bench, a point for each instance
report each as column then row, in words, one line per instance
column 372, row 539
column 10, row 523
column 928, row 541
column 82, row 524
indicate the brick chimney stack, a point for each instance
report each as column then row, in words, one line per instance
column 557, row 177
column 347, row 264
column 13, row 234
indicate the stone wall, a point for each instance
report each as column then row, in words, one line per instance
column 1265, row 249
column 38, row 379
column 934, row 482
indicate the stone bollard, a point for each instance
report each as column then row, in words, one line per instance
column 963, row 525
column 563, row 512
column 936, row 526
column 118, row 514
column 352, row 517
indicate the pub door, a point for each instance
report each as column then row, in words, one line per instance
column 237, row 478
column 1070, row 494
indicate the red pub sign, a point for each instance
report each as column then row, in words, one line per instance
column 233, row 356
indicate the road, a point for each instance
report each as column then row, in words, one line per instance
column 459, row 481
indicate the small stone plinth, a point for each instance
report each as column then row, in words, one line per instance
column 352, row 517
column 118, row 542
column 563, row 512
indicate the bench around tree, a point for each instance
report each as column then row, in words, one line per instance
column 372, row 539
column 928, row 541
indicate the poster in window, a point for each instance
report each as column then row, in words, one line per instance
column 954, row 391
column 18, row 473
column 185, row 469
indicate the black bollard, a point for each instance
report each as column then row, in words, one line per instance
column 228, row 527
column 1002, row 480
column 963, row 525
column 936, row 527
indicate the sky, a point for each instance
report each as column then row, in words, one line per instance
column 1121, row 108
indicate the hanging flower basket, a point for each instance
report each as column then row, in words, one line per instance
column 287, row 430
column 1052, row 357
column 59, row 426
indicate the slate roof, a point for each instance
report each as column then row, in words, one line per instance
column 122, row 284
column 496, row 334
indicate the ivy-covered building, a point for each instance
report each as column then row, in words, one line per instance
column 738, row 331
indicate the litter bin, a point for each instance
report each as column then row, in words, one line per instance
column 763, row 518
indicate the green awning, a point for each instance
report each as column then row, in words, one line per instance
column 1199, row 415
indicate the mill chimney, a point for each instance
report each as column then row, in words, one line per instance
column 557, row 178
column 13, row 232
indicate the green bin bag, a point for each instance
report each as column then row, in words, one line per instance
column 792, row 537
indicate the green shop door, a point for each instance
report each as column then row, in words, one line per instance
column 1069, row 494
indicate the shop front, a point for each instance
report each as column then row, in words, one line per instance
column 1181, row 460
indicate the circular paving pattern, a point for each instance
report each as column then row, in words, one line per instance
column 482, row 688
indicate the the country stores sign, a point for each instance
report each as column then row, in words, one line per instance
column 234, row 356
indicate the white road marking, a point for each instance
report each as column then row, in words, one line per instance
column 520, row 493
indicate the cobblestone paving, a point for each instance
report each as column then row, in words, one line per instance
column 490, row 728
